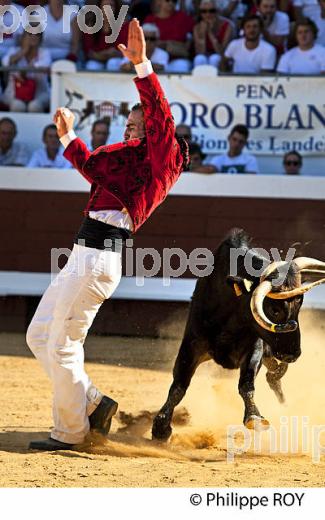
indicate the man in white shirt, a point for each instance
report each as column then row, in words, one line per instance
column 12, row 153
column 250, row 54
column 51, row 154
column 308, row 57
column 276, row 23
column 318, row 16
column 235, row 160
column 99, row 134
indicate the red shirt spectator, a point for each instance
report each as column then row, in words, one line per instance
column 175, row 27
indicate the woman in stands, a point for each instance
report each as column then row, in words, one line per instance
column 99, row 54
column 60, row 45
column 211, row 35
column 27, row 91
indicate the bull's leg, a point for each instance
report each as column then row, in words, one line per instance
column 248, row 371
column 188, row 359
column 275, row 371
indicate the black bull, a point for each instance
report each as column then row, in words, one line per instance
column 242, row 321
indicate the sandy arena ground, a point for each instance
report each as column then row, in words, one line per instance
column 137, row 373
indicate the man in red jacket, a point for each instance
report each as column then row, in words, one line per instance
column 128, row 181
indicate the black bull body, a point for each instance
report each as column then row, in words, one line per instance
column 242, row 321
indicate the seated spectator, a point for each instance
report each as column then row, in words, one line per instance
column 235, row 10
column 99, row 134
column 61, row 45
column 185, row 132
column 276, row 25
column 175, row 28
column 51, row 154
column 197, row 157
column 292, row 162
column 211, row 35
column 27, row 91
column 8, row 41
column 11, row 153
column 158, row 57
column 235, row 160
column 304, row 8
column 99, row 54
column 318, row 17
column 308, row 57
column 250, row 54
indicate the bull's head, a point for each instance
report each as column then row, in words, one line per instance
column 275, row 309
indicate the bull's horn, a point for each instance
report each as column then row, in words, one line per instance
column 259, row 315
column 271, row 268
column 309, row 264
column 294, row 292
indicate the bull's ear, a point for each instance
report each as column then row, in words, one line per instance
column 240, row 285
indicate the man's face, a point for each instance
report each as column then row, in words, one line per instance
column 252, row 30
column 267, row 8
column 168, row 5
column 196, row 160
column 7, row 135
column 99, row 135
column 134, row 126
column 185, row 132
column 237, row 142
column 51, row 140
column 305, row 36
column 292, row 164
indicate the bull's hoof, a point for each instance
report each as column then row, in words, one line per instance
column 160, row 430
column 257, row 423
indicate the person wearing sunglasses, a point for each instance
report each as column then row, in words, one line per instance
column 211, row 35
column 292, row 163
column 176, row 29
column 158, row 57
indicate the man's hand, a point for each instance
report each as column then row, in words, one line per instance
column 136, row 49
column 63, row 119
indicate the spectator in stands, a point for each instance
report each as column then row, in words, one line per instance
column 185, row 132
column 51, row 154
column 139, row 9
column 276, row 24
column 99, row 133
column 235, row 160
column 175, row 34
column 318, row 17
column 211, row 35
column 292, row 162
column 8, row 41
column 250, row 54
column 99, row 54
column 233, row 9
column 61, row 45
column 12, row 153
column 308, row 57
column 158, row 57
column 28, row 91
column 304, row 8
column 197, row 157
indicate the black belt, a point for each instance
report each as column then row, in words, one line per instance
column 99, row 235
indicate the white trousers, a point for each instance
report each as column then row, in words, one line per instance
column 58, row 330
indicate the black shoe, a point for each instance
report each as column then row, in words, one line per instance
column 49, row 445
column 101, row 418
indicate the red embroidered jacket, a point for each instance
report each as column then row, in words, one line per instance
column 140, row 172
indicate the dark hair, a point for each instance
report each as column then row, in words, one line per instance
column 306, row 22
column 48, row 127
column 104, row 121
column 241, row 129
column 293, row 152
column 250, row 18
column 137, row 106
column 196, row 148
column 183, row 144
column 8, row 120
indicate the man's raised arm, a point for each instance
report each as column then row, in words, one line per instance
column 159, row 123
